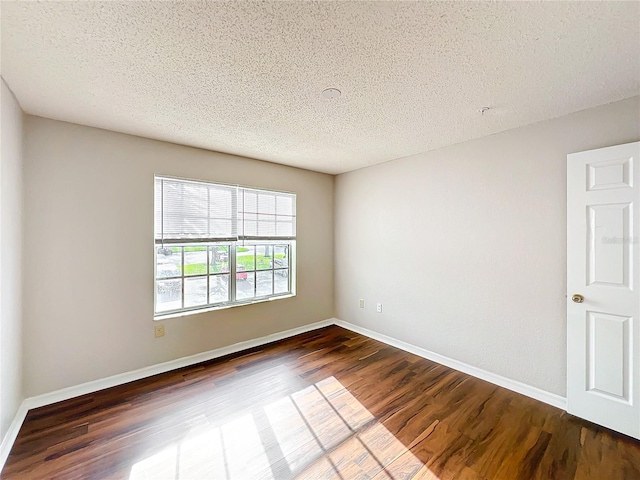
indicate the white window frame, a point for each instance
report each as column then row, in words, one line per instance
column 232, row 272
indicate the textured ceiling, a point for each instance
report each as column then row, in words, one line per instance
column 246, row 78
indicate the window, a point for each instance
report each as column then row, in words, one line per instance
column 221, row 245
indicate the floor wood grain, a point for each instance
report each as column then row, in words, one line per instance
column 322, row 405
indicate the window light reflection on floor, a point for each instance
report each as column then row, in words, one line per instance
column 321, row 431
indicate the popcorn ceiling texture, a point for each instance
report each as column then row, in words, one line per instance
column 246, row 77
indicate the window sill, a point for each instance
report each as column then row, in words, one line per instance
column 185, row 313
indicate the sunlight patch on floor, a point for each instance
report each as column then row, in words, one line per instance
column 321, row 431
column 159, row 466
column 297, row 443
column 202, row 456
column 243, row 449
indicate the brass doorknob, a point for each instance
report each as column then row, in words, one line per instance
column 577, row 298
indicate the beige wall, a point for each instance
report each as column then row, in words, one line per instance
column 89, row 254
column 466, row 246
column 10, row 258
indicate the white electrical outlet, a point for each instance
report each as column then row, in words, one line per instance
column 379, row 308
column 361, row 303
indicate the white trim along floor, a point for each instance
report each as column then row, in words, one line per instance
column 93, row 386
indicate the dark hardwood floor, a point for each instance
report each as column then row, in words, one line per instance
column 326, row 404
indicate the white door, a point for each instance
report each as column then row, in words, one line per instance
column 603, row 287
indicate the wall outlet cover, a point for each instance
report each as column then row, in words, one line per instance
column 159, row 331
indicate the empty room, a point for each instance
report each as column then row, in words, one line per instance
column 274, row 240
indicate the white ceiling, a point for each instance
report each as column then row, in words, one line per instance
column 246, row 78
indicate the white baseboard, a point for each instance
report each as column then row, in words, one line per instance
column 115, row 380
column 518, row 387
column 121, row 378
column 12, row 433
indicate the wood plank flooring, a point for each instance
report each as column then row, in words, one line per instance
column 323, row 405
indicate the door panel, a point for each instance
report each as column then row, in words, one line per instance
column 603, row 383
column 610, row 174
column 610, row 252
column 609, row 344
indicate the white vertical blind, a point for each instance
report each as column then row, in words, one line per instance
column 187, row 210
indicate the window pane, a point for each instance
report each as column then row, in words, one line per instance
column 220, row 204
column 168, row 295
column 281, row 281
column 195, row 261
column 184, row 209
column 187, row 209
column 284, row 205
column 195, row 291
column 167, row 263
column 164, row 251
column 218, row 288
column 264, row 256
column 261, row 211
column 249, row 202
column 220, row 228
column 245, row 257
column 264, row 284
column 266, row 203
column 280, row 256
column 249, row 225
column 245, row 285
column 219, row 259
column 266, row 225
column 284, row 229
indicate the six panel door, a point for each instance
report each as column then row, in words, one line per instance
column 603, row 301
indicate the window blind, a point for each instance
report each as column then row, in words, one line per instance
column 192, row 211
column 266, row 215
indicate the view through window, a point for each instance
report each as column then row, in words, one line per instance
column 219, row 245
